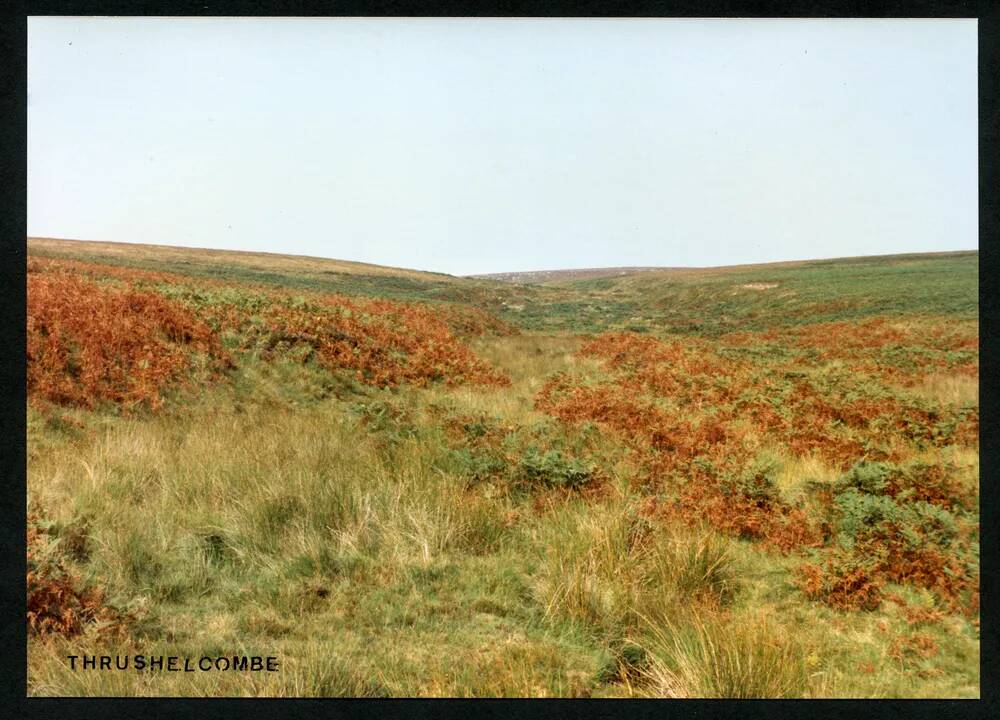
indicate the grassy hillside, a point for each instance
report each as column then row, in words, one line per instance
column 197, row 261
column 755, row 297
column 742, row 482
column 273, row 270
column 696, row 301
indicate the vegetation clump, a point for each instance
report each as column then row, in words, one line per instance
column 58, row 602
column 896, row 524
column 90, row 343
column 538, row 457
column 125, row 339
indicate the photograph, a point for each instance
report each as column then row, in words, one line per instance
column 502, row 357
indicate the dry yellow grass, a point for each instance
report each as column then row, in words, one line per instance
column 950, row 390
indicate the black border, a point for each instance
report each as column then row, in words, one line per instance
column 13, row 222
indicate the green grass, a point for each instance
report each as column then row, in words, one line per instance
column 290, row 511
column 713, row 301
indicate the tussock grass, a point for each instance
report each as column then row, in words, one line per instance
column 725, row 657
column 606, row 570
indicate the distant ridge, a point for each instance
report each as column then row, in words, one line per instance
column 529, row 277
column 539, row 276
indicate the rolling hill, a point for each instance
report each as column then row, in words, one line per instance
column 756, row 481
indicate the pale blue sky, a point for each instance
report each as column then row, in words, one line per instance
column 465, row 145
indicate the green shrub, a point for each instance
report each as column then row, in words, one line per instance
column 867, row 477
column 552, row 468
column 929, row 524
column 864, row 516
column 758, row 482
column 477, row 466
column 861, row 515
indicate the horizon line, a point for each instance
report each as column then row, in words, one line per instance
column 642, row 268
